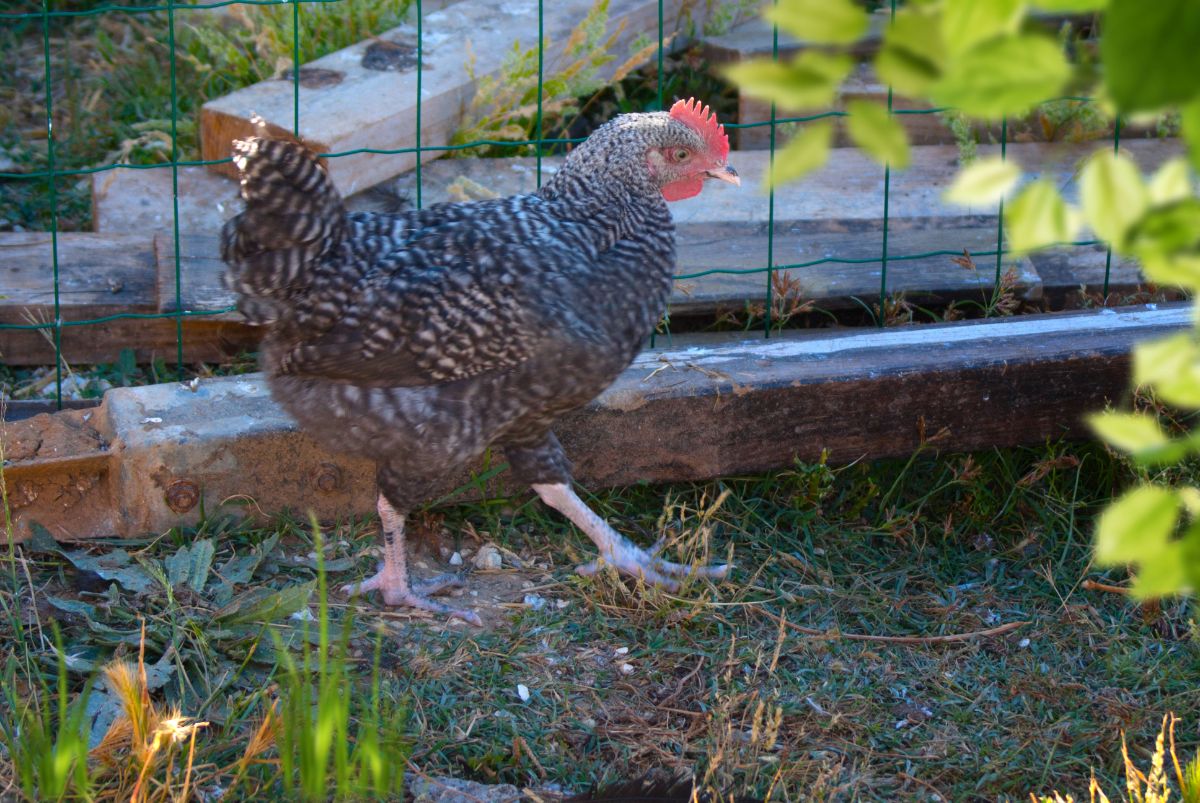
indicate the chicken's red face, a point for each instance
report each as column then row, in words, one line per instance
column 696, row 150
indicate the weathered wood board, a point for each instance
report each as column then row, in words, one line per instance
column 127, row 200
column 344, row 106
column 687, row 411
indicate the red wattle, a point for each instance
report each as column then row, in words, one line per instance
column 683, row 188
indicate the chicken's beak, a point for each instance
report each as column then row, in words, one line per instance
column 726, row 173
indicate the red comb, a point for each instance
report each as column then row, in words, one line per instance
column 704, row 122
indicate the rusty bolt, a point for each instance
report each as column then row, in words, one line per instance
column 328, row 478
column 182, row 495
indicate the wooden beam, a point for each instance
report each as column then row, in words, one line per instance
column 688, row 411
column 353, row 106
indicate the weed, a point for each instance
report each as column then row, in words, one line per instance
column 504, row 106
column 315, row 720
column 44, row 732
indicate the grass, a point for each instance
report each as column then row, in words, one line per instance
column 751, row 684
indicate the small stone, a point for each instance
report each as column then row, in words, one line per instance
column 561, row 603
column 456, row 559
column 535, row 602
column 1023, row 643
column 621, row 651
column 523, row 692
column 488, row 558
column 626, row 669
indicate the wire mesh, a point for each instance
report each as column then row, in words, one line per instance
column 52, row 174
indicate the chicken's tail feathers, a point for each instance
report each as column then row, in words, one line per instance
column 293, row 216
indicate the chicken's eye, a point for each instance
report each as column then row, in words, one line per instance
column 681, row 154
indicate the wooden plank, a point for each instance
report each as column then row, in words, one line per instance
column 150, row 339
column 734, row 246
column 98, row 275
column 689, row 411
column 125, row 200
column 834, row 285
column 354, row 107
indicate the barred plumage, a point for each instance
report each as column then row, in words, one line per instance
column 421, row 339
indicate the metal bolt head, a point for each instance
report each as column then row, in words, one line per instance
column 182, row 495
column 327, row 478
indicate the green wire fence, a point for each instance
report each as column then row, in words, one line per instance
column 51, row 175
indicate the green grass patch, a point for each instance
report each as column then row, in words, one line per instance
column 749, row 684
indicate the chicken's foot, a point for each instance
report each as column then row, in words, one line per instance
column 615, row 549
column 392, row 580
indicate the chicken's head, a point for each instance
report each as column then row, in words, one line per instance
column 693, row 148
column 668, row 153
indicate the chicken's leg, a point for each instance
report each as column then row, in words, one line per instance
column 392, row 579
column 615, row 549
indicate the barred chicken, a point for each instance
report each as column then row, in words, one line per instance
column 423, row 338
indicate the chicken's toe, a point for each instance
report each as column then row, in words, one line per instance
column 397, row 592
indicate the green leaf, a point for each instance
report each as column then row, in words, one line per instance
column 912, row 54
column 806, row 151
column 1179, row 271
column 41, row 542
column 1189, row 119
column 1005, row 76
column 809, row 81
column 265, row 604
column 1136, row 526
column 1171, row 182
column 1150, row 53
column 1070, row 5
column 1129, row 432
column 191, row 565
column 983, row 182
column 878, row 133
column 1038, row 217
column 834, row 22
column 968, row 22
column 1160, row 574
column 112, row 566
column 1169, row 229
column 1172, row 366
column 1113, row 196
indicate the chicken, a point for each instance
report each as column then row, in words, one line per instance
column 421, row 339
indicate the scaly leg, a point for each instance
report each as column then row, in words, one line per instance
column 615, row 549
column 392, row 580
